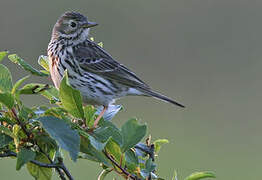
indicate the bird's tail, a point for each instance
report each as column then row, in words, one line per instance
column 161, row 97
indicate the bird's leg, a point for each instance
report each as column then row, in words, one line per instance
column 100, row 116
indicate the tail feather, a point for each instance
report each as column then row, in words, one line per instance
column 162, row 97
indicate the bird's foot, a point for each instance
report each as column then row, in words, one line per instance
column 99, row 117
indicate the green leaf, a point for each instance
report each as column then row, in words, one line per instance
column 158, row 143
column 8, row 120
column 103, row 174
column 17, row 131
column 58, row 112
column 5, row 140
column 91, row 153
column 58, row 155
column 40, row 173
column 96, row 144
column 200, row 175
column 6, row 131
column 32, row 88
column 18, row 134
column 131, row 157
column 132, row 133
column 46, row 143
column 23, row 157
column 60, row 131
column 89, row 112
column 105, row 132
column 115, row 151
column 19, row 83
column 131, row 160
column 7, row 99
column 150, row 166
column 71, row 98
column 45, row 72
column 51, row 93
column 24, row 112
column 17, row 60
column 38, row 88
column 5, row 79
column 43, row 61
column 3, row 54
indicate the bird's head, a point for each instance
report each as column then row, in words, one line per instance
column 72, row 26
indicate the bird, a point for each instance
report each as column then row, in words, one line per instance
column 91, row 69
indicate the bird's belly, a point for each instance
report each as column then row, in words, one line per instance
column 96, row 90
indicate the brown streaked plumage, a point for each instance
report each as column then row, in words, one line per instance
column 91, row 70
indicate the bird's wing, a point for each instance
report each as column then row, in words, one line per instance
column 95, row 59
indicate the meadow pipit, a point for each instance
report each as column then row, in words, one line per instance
column 91, row 69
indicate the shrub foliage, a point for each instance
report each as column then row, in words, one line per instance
column 36, row 135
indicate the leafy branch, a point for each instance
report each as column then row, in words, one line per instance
column 59, row 165
column 37, row 136
column 52, row 165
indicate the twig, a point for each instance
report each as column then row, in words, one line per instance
column 38, row 163
column 61, row 174
column 21, row 124
column 148, row 150
column 45, row 165
column 58, row 168
column 133, row 177
column 62, row 166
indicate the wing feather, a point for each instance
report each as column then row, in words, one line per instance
column 95, row 59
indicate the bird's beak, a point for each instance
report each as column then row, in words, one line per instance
column 89, row 24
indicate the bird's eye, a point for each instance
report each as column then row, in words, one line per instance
column 73, row 24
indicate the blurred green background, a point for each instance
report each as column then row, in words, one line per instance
column 203, row 53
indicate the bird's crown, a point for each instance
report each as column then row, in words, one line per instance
column 71, row 15
column 71, row 24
